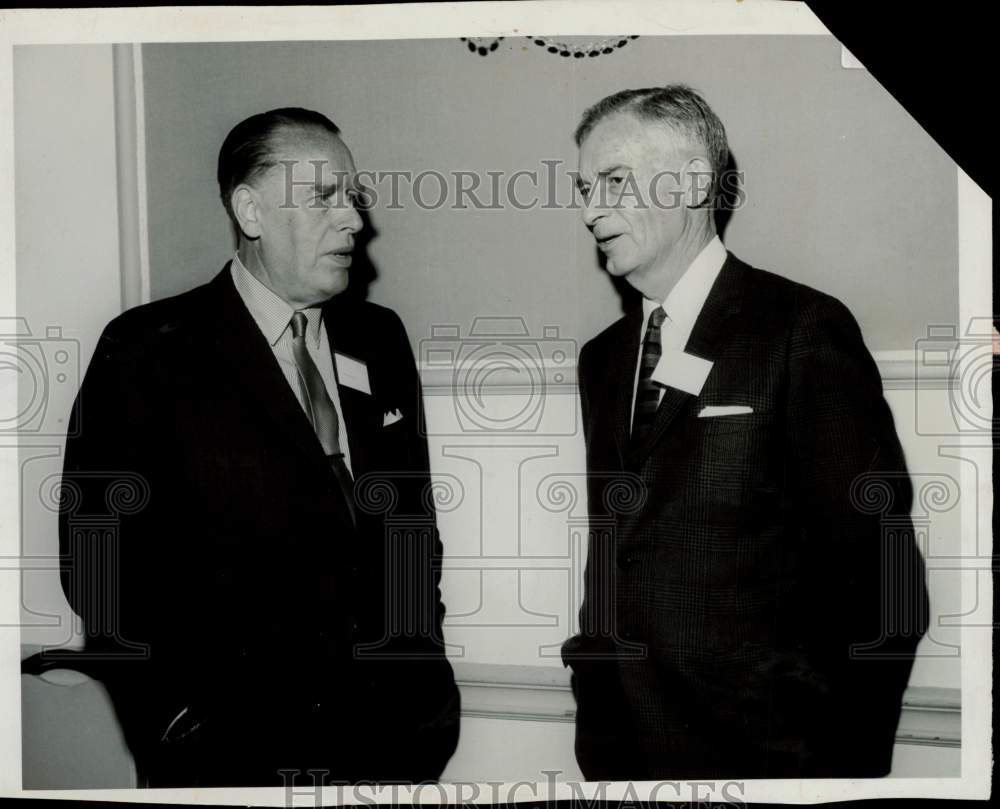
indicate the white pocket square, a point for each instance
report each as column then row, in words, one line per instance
column 723, row 410
column 391, row 417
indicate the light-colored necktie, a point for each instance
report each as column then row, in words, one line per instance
column 320, row 409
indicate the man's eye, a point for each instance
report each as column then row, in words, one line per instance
column 615, row 180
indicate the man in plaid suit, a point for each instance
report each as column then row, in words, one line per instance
column 753, row 593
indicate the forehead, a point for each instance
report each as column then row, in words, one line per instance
column 624, row 139
column 305, row 149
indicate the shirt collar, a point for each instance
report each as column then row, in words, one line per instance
column 270, row 312
column 685, row 301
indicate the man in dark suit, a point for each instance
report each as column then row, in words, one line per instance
column 270, row 598
column 753, row 593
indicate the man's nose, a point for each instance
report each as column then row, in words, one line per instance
column 591, row 211
column 350, row 219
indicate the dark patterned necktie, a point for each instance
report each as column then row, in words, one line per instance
column 647, row 393
column 320, row 410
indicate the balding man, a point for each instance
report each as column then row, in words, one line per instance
column 256, row 612
column 752, row 606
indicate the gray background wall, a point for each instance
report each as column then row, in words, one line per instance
column 844, row 191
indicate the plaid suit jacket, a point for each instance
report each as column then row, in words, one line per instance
column 753, row 591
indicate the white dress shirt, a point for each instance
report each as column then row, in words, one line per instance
column 683, row 304
column 273, row 317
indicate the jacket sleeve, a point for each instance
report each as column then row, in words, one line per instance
column 605, row 740
column 427, row 702
column 108, row 533
column 860, row 592
column 416, row 494
column 146, row 634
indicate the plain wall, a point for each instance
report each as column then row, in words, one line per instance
column 68, row 284
column 68, row 287
column 844, row 191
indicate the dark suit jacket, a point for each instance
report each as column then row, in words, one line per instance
column 753, row 592
column 234, row 583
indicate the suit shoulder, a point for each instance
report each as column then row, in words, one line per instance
column 362, row 314
column 778, row 296
column 369, row 322
column 160, row 316
column 611, row 337
column 144, row 330
column 812, row 324
column 377, row 314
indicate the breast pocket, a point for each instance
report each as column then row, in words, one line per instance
column 735, row 422
column 735, row 458
column 392, row 438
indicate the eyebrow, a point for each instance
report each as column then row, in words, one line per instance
column 324, row 189
column 604, row 172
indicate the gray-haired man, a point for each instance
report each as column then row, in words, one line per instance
column 747, row 614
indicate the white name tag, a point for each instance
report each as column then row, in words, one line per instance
column 352, row 373
column 685, row 372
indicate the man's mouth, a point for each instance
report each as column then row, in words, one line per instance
column 341, row 257
column 607, row 242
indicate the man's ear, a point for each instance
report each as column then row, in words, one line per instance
column 698, row 182
column 246, row 207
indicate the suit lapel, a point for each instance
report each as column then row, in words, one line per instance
column 362, row 416
column 713, row 326
column 622, row 380
column 725, row 299
column 244, row 354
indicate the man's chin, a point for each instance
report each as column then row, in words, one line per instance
column 616, row 269
column 339, row 283
column 336, row 282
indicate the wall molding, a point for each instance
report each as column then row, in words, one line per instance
column 931, row 716
column 499, row 374
column 502, row 377
column 130, row 159
column 905, row 370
